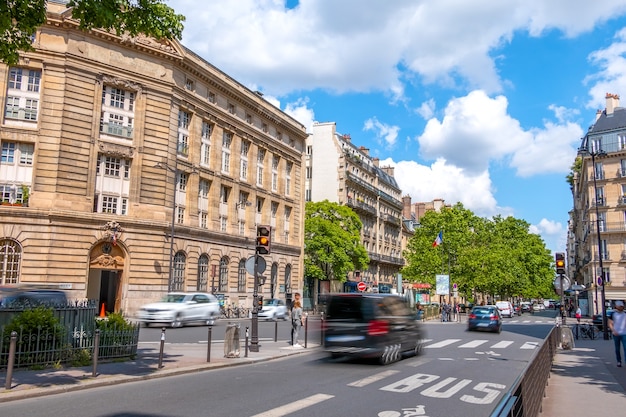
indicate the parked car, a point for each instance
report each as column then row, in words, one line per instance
column 597, row 318
column 273, row 309
column 31, row 297
column 465, row 308
column 371, row 325
column 485, row 318
column 539, row 307
column 506, row 308
column 526, row 307
column 179, row 308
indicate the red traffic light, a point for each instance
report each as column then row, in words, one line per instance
column 263, row 239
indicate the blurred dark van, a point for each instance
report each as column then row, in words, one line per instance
column 369, row 325
column 12, row 297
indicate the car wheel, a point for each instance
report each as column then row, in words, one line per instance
column 177, row 322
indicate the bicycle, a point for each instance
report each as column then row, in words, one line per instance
column 587, row 331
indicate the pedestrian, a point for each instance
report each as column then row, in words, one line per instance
column 617, row 325
column 296, row 322
column 579, row 314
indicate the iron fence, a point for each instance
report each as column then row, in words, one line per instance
column 53, row 348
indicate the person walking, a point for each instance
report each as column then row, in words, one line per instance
column 579, row 314
column 296, row 322
column 617, row 325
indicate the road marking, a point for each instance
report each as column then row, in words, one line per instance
column 442, row 343
column 473, row 343
column 371, row 379
column 295, row 406
column 529, row 345
column 502, row 345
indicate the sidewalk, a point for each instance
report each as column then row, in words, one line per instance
column 177, row 359
column 585, row 381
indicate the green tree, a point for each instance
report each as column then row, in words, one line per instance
column 332, row 241
column 19, row 19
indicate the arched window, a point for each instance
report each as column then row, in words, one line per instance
column 274, row 279
column 288, row 278
column 10, row 261
column 203, row 273
column 178, row 272
column 241, row 276
column 224, row 274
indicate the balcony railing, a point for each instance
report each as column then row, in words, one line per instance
column 116, row 130
column 19, row 113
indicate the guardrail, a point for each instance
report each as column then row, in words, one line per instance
column 526, row 395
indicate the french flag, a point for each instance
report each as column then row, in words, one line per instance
column 439, row 240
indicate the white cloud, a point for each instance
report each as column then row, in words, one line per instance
column 552, row 233
column 357, row 45
column 427, row 109
column 300, row 111
column 611, row 75
column 389, row 134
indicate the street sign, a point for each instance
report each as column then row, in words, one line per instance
column 600, row 281
column 361, row 286
column 250, row 265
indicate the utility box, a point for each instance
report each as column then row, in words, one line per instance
column 231, row 341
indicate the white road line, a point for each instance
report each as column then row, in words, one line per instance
column 442, row 343
column 473, row 343
column 530, row 345
column 371, row 379
column 295, row 406
column 502, row 345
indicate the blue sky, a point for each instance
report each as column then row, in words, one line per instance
column 472, row 101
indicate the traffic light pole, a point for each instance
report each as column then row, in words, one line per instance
column 254, row 341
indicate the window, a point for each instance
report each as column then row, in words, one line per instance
column 274, row 278
column 241, row 276
column 275, row 161
column 205, row 145
column 260, row 162
column 8, row 152
column 231, row 108
column 22, row 95
column 189, row 84
column 274, row 209
column 249, row 118
column 288, row 168
column 223, row 280
column 118, row 112
column 243, row 168
column 288, row 277
column 184, row 119
column 203, row 202
column 112, row 185
column 178, row 272
column 12, row 193
column 309, row 150
column 211, row 97
column 203, row 274
column 227, row 139
column 10, row 261
column 26, row 151
column 264, row 128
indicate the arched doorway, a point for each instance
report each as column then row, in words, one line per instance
column 106, row 267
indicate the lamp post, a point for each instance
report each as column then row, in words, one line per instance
column 605, row 330
column 164, row 165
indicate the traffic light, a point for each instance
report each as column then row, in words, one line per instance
column 259, row 302
column 560, row 263
column 263, row 239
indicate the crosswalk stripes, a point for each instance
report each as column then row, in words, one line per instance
column 464, row 344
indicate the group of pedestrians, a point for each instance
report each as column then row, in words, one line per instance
column 449, row 312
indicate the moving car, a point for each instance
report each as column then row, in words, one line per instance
column 179, row 308
column 370, row 325
column 19, row 297
column 506, row 308
column 485, row 318
column 526, row 307
column 273, row 309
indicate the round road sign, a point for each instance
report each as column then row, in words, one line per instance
column 600, row 281
column 361, row 286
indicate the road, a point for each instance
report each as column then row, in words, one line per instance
column 460, row 374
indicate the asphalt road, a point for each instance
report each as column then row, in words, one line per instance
column 459, row 374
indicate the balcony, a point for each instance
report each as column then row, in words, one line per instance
column 360, row 205
column 116, row 130
column 19, row 113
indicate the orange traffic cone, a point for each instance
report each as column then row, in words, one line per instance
column 102, row 313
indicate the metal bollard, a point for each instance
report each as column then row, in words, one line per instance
column 12, row 345
column 322, row 328
column 276, row 331
column 247, row 334
column 96, row 350
column 306, row 328
column 161, row 348
column 208, row 347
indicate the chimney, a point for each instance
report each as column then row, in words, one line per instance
column 346, row 137
column 375, row 161
column 612, row 102
column 406, row 206
column 598, row 114
column 388, row 171
column 365, row 150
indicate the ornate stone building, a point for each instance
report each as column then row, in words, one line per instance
column 131, row 167
column 339, row 171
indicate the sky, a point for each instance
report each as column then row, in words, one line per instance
column 480, row 102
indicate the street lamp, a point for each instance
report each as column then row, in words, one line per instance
column 164, row 165
column 605, row 329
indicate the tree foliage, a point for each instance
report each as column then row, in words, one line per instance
column 332, row 241
column 19, row 19
column 497, row 256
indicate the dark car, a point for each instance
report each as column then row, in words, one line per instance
column 16, row 297
column 371, row 325
column 597, row 318
column 485, row 318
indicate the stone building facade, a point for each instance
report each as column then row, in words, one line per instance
column 132, row 166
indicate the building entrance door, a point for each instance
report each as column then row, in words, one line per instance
column 106, row 272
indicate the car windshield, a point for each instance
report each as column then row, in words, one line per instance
column 482, row 311
column 174, row 298
column 270, row 302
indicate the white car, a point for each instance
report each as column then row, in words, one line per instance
column 506, row 308
column 180, row 308
column 273, row 309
